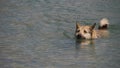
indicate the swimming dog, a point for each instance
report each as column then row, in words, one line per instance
column 89, row 31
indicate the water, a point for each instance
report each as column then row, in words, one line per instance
column 40, row 34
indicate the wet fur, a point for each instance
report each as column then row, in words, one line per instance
column 89, row 31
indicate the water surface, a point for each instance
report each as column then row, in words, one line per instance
column 40, row 34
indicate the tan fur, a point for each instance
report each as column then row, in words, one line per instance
column 89, row 32
column 100, row 33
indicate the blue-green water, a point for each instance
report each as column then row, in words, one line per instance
column 40, row 34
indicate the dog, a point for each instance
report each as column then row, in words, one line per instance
column 89, row 31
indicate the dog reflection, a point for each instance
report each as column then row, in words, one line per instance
column 84, row 42
column 83, row 45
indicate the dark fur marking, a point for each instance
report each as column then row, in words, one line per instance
column 103, row 27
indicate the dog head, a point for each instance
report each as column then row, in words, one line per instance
column 84, row 32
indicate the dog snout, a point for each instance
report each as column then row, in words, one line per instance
column 78, row 36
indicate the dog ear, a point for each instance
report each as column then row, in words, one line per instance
column 77, row 25
column 93, row 26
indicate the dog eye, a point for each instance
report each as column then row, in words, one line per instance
column 85, row 31
column 78, row 30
